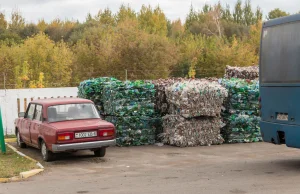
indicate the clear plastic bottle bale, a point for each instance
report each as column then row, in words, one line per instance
column 182, row 132
column 196, row 98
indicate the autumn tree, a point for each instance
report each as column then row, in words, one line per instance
column 125, row 13
column 152, row 21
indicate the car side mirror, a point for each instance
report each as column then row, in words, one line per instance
column 21, row 114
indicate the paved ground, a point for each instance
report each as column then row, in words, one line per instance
column 233, row 169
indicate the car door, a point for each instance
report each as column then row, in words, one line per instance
column 25, row 129
column 36, row 124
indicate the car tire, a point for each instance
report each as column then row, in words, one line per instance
column 100, row 152
column 20, row 142
column 46, row 154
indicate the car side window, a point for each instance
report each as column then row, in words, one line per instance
column 30, row 111
column 38, row 113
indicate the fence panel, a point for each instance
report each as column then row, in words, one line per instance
column 13, row 101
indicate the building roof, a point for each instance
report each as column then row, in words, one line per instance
column 56, row 101
column 283, row 20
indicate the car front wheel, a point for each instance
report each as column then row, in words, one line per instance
column 100, row 152
column 46, row 154
column 20, row 143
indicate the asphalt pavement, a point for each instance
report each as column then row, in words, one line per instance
column 234, row 169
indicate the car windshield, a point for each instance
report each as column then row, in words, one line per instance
column 66, row 112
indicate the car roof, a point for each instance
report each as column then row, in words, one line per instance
column 282, row 20
column 57, row 101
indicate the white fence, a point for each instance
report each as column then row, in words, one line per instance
column 16, row 100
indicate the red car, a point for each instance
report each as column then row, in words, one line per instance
column 64, row 125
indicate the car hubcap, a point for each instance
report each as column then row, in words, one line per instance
column 44, row 150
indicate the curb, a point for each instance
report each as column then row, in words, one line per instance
column 23, row 175
column 10, row 140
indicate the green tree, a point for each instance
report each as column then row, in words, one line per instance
column 29, row 30
column 238, row 12
column 105, row 17
column 249, row 18
column 125, row 13
column 153, row 21
column 276, row 13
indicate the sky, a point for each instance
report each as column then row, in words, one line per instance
column 33, row 10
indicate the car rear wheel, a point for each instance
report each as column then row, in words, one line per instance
column 20, row 143
column 100, row 152
column 46, row 154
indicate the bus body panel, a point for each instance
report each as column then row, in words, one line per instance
column 280, row 100
column 270, row 133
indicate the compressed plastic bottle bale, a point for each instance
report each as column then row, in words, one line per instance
column 182, row 132
column 242, row 111
column 134, row 130
column 251, row 72
column 129, row 98
column 195, row 98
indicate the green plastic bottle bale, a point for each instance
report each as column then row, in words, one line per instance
column 242, row 129
column 134, row 131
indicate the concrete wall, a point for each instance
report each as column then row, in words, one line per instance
column 14, row 100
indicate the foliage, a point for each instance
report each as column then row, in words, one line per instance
column 129, row 44
column 276, row 13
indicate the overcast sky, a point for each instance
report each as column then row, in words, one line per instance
column 33, row 10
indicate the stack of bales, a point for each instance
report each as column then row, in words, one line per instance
column 242, row 108
column 194, row 108
column 251, row 72
column 128, row 105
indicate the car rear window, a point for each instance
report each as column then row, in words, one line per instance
column 66, row 112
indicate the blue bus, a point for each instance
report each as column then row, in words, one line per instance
column 280, row 81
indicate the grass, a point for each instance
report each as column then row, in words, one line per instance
column 11, row 164
column 9, row 136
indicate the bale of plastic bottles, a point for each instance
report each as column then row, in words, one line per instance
column 241, row 113
column 92, row 89
column 182, row 132
column 251, row 72
column 135, row 130
column 131, row 98
column 243, row 129
column 128, row 105
column 194, row 98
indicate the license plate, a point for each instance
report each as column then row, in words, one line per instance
column 85, row 134
column 283, row 117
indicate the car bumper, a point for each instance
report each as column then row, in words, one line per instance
column 82, row 146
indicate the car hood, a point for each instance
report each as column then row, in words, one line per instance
column 81, row 124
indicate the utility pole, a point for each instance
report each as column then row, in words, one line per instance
column 126, row 74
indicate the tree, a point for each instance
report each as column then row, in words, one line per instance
column 3, row 23
column 125, row 13
column 226, row 15
column 44, row 55
column 276, row 13
column 153, row 21
column 29, row 30
column 176, row 29
column 105, row 17
column 17, row 22
column 238, row 12
column 258, row 15
column 248, row 14
column 191, row 18
column 42, row 25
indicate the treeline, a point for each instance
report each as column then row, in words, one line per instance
column 129, row 45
